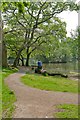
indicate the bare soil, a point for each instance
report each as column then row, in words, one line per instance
column 35, row 103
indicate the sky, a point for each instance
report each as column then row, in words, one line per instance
column 71, row 18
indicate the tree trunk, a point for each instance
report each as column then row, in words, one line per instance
column 4, row 55
column 27, row 60
column 16, row 61
column 22, row 60
column 28, row 55
column 3, row 49
column 17, row 58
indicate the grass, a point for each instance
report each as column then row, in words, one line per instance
column 7, row 98
column 68, row 111
column 0, row 94
column 56, row 83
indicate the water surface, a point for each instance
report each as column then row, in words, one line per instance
column 65, row 68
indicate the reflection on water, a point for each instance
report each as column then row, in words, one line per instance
column 65, row 68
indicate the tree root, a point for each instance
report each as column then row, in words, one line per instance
column 54, row 74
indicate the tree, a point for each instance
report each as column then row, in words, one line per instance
column 33, row 17
column 66, row 49
column 74, row 44
column 3, row 49
column 14, row 40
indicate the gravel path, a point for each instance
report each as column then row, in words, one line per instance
column 35, row 103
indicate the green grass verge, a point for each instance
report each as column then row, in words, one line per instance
column 0, row 94
column 68, row 111
column 7, row 98
column 50, row 83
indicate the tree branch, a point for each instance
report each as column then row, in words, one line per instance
column 35, row 40
column 36, row 47
column 9, row 31
column 18, row 20
column 31, row 14
column 51, row 15
column 39, row 13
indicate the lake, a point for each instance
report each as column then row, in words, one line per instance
column 65, row 68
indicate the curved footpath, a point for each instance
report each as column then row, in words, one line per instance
column 35, row 103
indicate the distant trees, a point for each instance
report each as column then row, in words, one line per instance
column 65, row 51
column 31, row 26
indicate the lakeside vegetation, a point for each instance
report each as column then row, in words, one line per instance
column 55, row 83
column 7, row 98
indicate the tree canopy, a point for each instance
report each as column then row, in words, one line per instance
column 33, row 26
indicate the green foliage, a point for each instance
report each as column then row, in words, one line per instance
column 26, row 4
column 34, row 25
column 44, row 74
column 69, row 111
column 63, row 5
column 62, row 50
column 50, row 83
column 20, row 7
